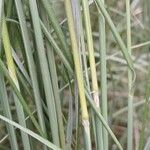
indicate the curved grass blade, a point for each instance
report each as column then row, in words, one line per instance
column 31, row 133
column 103, row 10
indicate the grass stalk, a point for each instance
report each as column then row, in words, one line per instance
column 54, row 79
column 130, row 94
column 45, row 72
column 95, row 90
column 12, row 71
column 103, row 66
column 79, row 74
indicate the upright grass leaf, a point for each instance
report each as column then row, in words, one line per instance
column 12, row 71
column 79, row 74
column 45, row 72
column 31, row 63
column 54, row 79
column 103, row 68
column 95, row 90
column 130, row 93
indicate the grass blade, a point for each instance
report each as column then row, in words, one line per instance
column 102, row 10
column 7, row 112
column 11, row 67
column 45, row 72
column 103, row 68
column 31, row 133
column 130, row 96
column 31, row 63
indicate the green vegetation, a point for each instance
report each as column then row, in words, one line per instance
column 74, row 74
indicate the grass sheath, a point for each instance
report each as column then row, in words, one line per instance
column 79, row 74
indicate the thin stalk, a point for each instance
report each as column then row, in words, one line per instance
column 45, row 72
column 12, row 71
column 130, row 95
column 95, row 90
column 54, row 79
column 102, row 51
column 79, row 74
column 31, row 63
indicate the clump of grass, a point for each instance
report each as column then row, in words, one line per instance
column 63, row 80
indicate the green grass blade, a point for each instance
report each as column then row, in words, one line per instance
column 103, row 10
column 45, row 72
column 11, row 67
column 103, row 68
column 56, row 48
column 54, row 79
column 130, row 95
column 31, row 133
column 49, row 9
column 31, row 63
